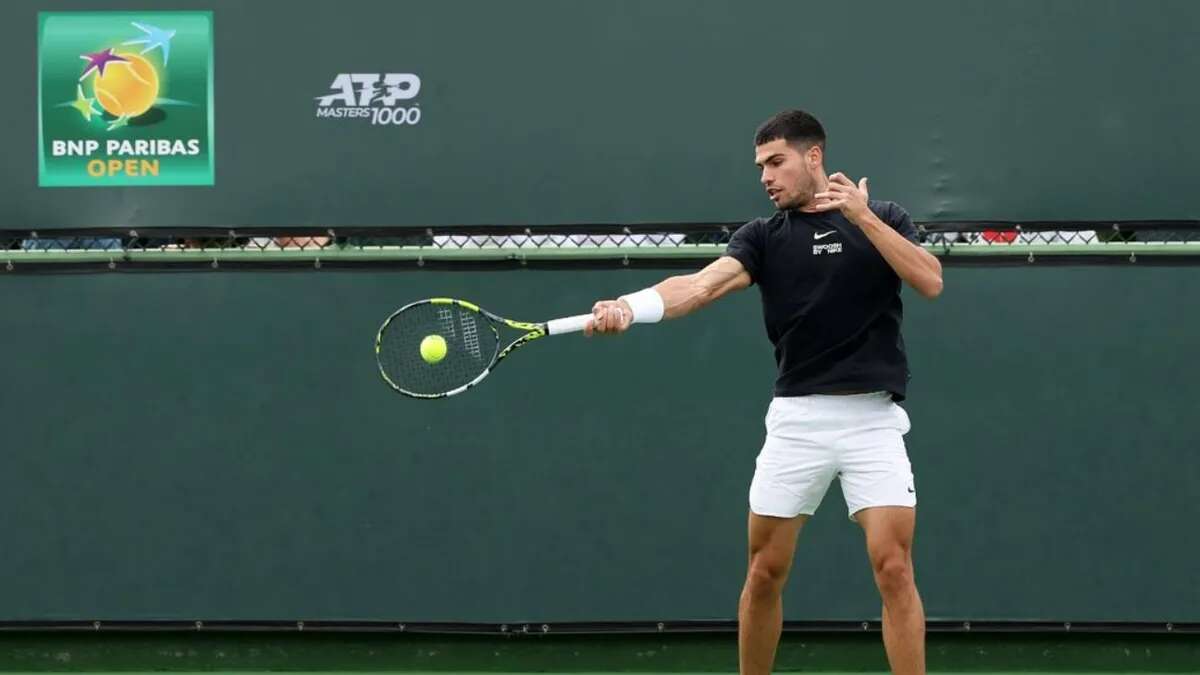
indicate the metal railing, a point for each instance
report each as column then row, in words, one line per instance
column 654, row 244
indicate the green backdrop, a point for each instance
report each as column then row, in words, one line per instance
column 542, row 112
column 218, row 446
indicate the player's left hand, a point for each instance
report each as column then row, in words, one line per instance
column 842, row 194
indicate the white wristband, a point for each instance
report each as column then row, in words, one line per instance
column 647, row 305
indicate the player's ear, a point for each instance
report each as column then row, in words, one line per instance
column 815, row 156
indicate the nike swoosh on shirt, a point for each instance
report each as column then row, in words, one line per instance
column 822, row 235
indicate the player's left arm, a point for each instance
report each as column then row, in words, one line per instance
column 916, row 266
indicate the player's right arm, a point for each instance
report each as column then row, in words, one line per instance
column 681, row 295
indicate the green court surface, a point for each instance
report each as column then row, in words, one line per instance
column 238, row 652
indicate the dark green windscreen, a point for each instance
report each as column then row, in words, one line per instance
column 219, row 446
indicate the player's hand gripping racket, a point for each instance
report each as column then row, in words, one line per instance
column 441, row 347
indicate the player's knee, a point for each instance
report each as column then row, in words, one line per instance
column 766, row 576
column 893, row 573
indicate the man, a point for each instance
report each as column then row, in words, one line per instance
column 828, row 265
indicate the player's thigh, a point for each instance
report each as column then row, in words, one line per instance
column 889, row 530
column 772, row 543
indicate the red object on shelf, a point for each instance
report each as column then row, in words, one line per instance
column 999, row 236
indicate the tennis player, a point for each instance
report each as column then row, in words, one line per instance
column 828, row 265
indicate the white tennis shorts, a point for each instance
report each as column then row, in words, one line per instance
column 858, row 439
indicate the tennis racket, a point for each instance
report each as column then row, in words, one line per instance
column 465, row 336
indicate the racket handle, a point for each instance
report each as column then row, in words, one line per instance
column 570, row 324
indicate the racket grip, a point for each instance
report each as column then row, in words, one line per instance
column 570, row 324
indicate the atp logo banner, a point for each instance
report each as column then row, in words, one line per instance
column 125, row 98
column 374, row 96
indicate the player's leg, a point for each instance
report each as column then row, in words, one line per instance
column 792, row 473
column 877, row 482
column 760, row 609
column 889, row 532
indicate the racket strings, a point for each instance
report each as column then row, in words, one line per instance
column 470, row 348
column 470, row 337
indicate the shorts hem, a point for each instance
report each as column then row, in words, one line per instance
column 854, row 513
column 780, row 514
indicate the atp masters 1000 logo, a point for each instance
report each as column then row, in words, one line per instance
column 125, row 98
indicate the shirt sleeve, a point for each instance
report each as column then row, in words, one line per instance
column 746, row 246
column 893, row 214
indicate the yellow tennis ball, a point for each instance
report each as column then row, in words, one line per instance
column 433, row 348
column 127, row 88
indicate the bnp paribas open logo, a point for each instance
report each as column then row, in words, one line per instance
column 125, row 98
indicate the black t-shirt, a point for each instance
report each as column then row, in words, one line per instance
column 831, row 303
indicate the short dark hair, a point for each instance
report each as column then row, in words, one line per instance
column 798, row 128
